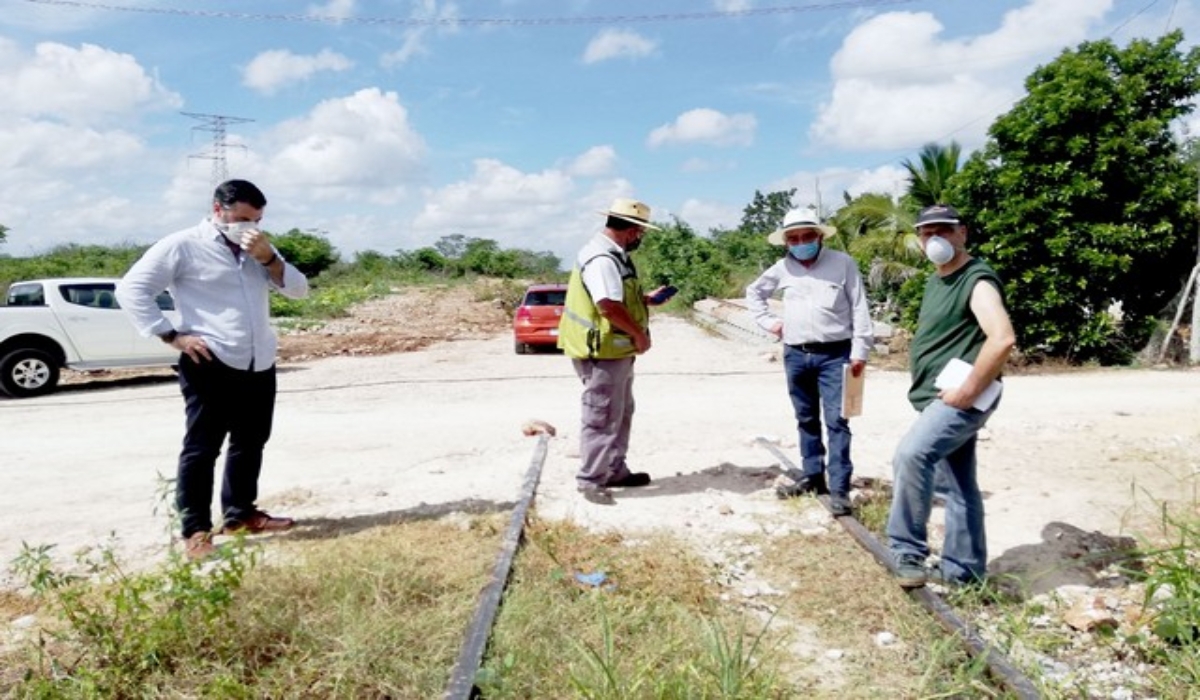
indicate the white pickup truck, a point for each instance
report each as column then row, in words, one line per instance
column 49, row 324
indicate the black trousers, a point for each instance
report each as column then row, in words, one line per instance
column 222, row 401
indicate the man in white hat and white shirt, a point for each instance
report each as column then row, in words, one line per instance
column 826, row 324
column 604, row 327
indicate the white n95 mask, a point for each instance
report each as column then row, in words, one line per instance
column 939, row 250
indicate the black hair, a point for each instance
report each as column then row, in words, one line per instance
column 618, row 224
column 231, row 192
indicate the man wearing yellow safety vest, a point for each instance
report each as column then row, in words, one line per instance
column 604, row 327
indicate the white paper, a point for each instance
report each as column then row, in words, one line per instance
column 852, row 392
column 956, row 372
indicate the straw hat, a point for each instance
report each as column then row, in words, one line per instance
column 800, row 218
column 632, row 211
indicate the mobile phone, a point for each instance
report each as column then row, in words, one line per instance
column 666, row 293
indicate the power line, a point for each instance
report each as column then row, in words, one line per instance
column 474, row 21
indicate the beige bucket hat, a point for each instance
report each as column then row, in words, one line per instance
column 800, row 218
column 632, row 211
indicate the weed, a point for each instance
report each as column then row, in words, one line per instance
column 120, row 628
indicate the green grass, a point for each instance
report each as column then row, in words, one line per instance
column 656, row 627
column 371, row 614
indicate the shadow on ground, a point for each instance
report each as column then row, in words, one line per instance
column 328, row 528
column 723, row 477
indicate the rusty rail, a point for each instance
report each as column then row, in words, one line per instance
column 462, row 677
column 998, row 666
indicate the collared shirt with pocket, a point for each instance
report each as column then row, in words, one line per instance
column 822, row 303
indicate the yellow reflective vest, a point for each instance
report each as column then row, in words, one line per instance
column 585, row 334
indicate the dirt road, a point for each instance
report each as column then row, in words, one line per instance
column 366, row 438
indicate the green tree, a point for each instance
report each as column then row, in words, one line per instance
column 1082, row 198
column 3, row 233
column 877, row 231
column 676, row 255
column 452, row 247
column 311, row 253
column 746, row 246
column 928, row 178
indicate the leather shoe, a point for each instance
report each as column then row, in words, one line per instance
column 630, row 480
column 840, row 505
column 814, row 484
column 199, row 546
column 256, row 523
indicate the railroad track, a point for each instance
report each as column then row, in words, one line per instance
column 462, row 677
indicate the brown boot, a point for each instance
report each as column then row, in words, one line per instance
column 199, row 546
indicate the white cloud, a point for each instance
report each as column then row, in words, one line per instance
column 540, row 211
column 341, row 9
column 594, row 162
column 732, row 5
column 359, row 148
column 704, row 216
column 39, row 146
column 706, row 126
column 88, row 84
column 497, row 196
column 827, row 186
column 899, row 83
column 271, row 70
column 617, row 43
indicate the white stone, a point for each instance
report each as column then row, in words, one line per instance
column 834, row 654
column 885, row 639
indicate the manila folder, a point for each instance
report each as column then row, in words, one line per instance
column 852, row 392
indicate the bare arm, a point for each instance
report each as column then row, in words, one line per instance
column 989, row 310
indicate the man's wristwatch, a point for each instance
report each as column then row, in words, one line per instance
column 169, row 337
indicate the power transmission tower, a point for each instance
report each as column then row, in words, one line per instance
column 215, row 123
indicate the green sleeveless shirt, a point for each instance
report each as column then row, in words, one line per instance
column 946, row 327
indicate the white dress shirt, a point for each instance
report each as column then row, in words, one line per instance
column 221, row 295
column 822, row 303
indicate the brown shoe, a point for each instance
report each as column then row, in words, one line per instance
column 199, row 546
column 256, row 523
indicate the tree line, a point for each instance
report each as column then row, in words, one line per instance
column 1083, row 198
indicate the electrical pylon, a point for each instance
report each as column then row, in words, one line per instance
column 215, row 123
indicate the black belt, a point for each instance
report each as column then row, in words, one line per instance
column 828, row 347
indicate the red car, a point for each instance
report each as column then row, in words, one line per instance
column 535, row 324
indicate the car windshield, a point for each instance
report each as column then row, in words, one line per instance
column 548, row 297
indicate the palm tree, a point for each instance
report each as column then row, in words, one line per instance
column 927, row 181
column 878, row 230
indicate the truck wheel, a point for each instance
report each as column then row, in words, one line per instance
column 28, row 372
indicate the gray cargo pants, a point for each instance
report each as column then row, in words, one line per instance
column 607, row 414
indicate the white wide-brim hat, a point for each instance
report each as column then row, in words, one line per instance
column 632, row 211
column 800, row 218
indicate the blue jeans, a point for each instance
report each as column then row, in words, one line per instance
column 815, row 386
column 942, row 443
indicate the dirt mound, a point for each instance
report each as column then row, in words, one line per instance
column 407, row 320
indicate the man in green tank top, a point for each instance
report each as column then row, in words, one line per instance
column 963, row 338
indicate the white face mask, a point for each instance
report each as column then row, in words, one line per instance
column 939, row 250
column 235, row 230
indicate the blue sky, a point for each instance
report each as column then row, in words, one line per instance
column 387, row 124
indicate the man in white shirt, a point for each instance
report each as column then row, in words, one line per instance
column 826, row 324
column 220, row 273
